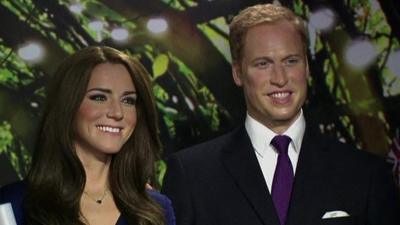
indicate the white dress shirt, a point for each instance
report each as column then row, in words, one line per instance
column 267, row 156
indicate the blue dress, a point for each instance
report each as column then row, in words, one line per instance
column 14, row 193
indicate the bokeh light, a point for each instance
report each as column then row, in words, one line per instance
column 393, row 62
column 189, row 103
column 34, row 104
column 120, row 34
column 174, row 99
column 76, row 8
column 31, row 52
column 322, row 19
column 360, row 53
column 157, row 25
column 96, row 25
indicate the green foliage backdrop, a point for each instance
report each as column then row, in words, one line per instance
column 190, row 67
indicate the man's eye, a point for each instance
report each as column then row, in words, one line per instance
column 98, row 98
column 261, row 64
column 129, row 101
column 292, row 61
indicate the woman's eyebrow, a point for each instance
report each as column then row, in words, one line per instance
column 100, row 89
column 108, row 91
column 129, row 92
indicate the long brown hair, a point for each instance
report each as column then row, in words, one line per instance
column 57, row 178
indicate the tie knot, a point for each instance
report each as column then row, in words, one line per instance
column 281, row 143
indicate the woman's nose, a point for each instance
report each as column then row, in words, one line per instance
column 115, row 110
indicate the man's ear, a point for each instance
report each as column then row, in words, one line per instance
column 307, row 67
column 237, row 73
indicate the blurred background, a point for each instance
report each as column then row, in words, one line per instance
column 354, row 56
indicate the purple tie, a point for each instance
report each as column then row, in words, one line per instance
column 283, row 177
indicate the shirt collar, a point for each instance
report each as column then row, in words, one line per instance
column 261, row 135
column 296, row 131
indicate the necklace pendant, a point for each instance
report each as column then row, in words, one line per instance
column 97, row 200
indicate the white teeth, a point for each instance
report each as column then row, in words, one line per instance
column 109, row 129
column 280, row 94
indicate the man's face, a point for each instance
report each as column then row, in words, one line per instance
column 273, row 72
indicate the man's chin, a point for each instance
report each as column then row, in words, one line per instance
column 285, row 114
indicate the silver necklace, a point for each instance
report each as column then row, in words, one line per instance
column 97, row 200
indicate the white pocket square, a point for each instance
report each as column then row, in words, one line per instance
column 335, row 214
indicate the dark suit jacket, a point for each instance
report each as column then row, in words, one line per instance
column 14, row 194
column 220, row 183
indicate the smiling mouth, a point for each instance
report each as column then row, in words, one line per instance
column 280, row 95
column 109, row 129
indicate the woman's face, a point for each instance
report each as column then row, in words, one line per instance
column 107, row 115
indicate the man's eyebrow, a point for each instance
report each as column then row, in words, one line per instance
column 293, row 55
column 262, row 58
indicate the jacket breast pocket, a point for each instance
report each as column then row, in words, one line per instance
column 348, row 220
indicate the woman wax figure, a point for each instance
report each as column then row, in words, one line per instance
column 96, row 149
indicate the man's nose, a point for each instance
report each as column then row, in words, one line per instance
column 279, row 76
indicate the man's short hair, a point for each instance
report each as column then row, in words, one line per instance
column 259, row 14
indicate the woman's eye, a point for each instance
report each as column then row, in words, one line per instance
column 98, row 98
column 129, row 101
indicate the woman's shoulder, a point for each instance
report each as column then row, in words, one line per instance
column 13, row 193
column 160, row 198
column 165, row 203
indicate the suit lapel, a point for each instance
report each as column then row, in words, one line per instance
column 239, row 159
column 309, row 180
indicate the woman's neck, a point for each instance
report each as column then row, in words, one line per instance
column 97, row 171
column 96, row 176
